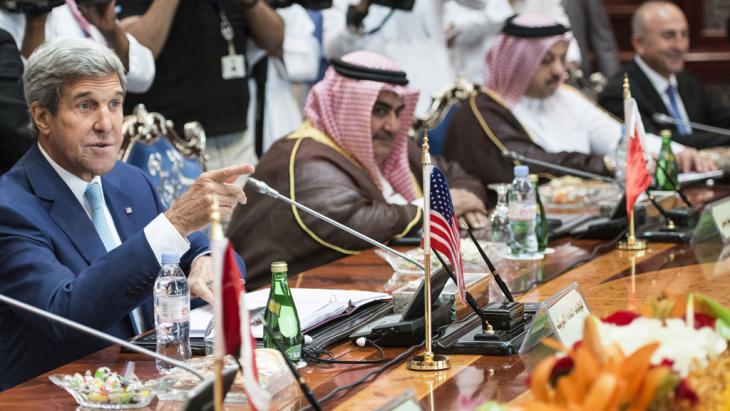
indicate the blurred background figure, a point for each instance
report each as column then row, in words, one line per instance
column 15, row 135
column 272, row 78
column 412, row 36
column 469, row 34
column 32, row 25
column 200, row 47
column 592, row 30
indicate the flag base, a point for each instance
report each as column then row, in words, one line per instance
column 635, row 245
column 428, row 362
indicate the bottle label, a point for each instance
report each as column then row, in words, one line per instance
column 294, row 353
column 173, row 309
column 521, row 212
column 274, row 307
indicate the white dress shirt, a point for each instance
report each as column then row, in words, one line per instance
column 661, row 84
column 568, row 121
column 161, row 235
column 61, row 23
column 414, row 40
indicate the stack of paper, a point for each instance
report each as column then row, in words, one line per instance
column 314, row 306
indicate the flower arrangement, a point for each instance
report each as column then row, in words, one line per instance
column 671, row 354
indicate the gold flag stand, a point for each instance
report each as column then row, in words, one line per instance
column 631, row 243
column 427, row 361
column 216, row 233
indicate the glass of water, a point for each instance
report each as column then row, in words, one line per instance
column 499, row 218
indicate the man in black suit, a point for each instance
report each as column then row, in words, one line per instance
column 15, row 135
column 659, row 82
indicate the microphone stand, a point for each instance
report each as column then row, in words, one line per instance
column 668, row 120
column 566, row 170
column 675, row 183
column 96, row 333
column 662, row 211
column 498, row 278
column 265, row 189
column 486, row 327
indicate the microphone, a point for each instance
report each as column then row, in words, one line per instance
column 265, row 189
column 96, row 333
column 562, row 169
column 662, row 118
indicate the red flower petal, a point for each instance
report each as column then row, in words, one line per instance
column 704, row 320
column 621, row 318
column 684, row 392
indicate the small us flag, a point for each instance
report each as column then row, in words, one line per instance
column 445, row 227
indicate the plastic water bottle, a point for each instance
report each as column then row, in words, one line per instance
column 521, row 204
column 172, row 311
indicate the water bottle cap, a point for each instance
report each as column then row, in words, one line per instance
column 522, row 171
column 279, row 267
column 170, row 258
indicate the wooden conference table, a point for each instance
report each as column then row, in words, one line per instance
column 605, row 280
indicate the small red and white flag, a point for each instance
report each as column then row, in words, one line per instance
column 233, row 323
column 638, row 178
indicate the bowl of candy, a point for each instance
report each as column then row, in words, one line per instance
column 107, row 389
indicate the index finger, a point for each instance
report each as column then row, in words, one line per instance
column 229, row 174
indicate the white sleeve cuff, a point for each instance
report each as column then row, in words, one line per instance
column 163, row 237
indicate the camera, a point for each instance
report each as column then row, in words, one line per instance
column 30, row 6
column 307, row 4
column 406, row 5
column 34, row 7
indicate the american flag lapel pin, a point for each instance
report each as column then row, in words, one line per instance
column 128, row 210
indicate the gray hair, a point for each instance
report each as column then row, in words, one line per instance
column 60, row 62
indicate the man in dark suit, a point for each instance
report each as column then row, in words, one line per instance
column 15, row 136
column 659, row 82
column 592, row 30
column 81, row 234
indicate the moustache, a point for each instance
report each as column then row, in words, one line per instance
column 384, row 136
column 553, row 80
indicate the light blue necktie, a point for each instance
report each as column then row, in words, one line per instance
column 682, row 127
column 96, row 202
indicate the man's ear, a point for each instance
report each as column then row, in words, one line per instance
column 636, row 43
column 41, row 118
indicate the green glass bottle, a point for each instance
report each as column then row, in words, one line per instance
column 541, row 223
column 281, row 315
column 667, row 170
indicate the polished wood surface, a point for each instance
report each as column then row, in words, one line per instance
column 606, row 280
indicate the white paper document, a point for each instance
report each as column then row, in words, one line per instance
column 314, row 306
column 685, row 178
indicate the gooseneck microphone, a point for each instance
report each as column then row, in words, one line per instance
column 265, row 189
column 562, row 169
column 662, row 118
column 96, row 333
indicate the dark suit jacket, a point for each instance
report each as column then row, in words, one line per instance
column 51, row 257
column 699, row 107
column 592, row 30
column 15, row 135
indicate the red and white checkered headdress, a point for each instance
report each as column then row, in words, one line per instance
column 341, row 107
